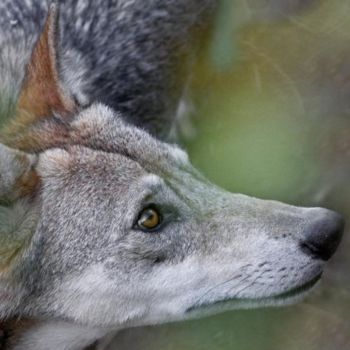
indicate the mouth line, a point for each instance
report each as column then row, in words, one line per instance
column 298, row 290
column 294, row 292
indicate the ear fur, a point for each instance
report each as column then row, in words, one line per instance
column 42, row 93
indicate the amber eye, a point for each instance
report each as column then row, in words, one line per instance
column 149, row 219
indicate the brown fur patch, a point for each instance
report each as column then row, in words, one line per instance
column 27, row 184
column 39, row 138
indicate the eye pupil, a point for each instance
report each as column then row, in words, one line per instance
column 149, row 219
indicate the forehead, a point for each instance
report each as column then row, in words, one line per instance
column 84, row 166
column 80, row 169
column 152, row 181
column 86, row 180
column 100, row 129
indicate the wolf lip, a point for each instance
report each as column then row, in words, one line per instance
column 285, row 295
column 300, row 289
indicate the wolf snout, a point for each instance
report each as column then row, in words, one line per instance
column 323, row 234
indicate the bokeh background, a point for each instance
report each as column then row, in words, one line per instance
column 271, row 97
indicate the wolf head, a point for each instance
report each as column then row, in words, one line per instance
column 102, row 224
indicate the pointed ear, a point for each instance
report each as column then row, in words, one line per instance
column 18, row 177
column 42, row 93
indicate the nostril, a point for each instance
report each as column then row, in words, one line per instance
column 316, row 252
column 323, row 235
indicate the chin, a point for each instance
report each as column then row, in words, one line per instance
column 290, row 297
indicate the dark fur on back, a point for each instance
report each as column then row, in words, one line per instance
column 132, row 55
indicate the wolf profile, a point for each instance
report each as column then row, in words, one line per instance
column 105, row 226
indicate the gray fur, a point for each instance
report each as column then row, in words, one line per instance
column 80, row 266
column 88, row 264
column 131, row 55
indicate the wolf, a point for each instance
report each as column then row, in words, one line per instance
column 104, row 225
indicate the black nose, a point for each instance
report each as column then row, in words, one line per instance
column 323, row 234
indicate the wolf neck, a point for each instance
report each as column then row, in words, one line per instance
column 42, row 335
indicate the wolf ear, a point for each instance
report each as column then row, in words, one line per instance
column 42, row 92
column 18, row 177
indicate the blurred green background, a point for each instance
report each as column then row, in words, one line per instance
column 272, row 119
